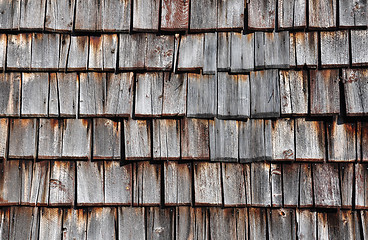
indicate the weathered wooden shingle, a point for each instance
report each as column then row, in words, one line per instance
column 276, row 185
column 283, row 145
column 64, row 51
column 224, row 140
column 174, row 102
column 59, row 15
column 346, row 174
column 10, row 97
column 195, row 139
column 32, row 15
column 190, row 52
column 3, row 44
column 229, row 223
column 132, row 51
column 131, row 222
column 281, row 224
column 290, row 184
column 50, row 223
column 355, row 89
column 160, row 52
column 88, row 15
column 361, row 181
column 19, row 51
column 306, row 224
column 192, row 223
column 118, row 186
column 25, row 220
column 200, row 21
column 257, row 223
column 265, row 94
column 207, row 184
column 234, row 185
column 62, row 183
column 90, row 183
column 338, row 225
column 362, row 141
column 147, row 184
column 224, row 43
column 39, row 191
column 324, row 92
column 45, row 51
column 359, row 39
column 261, row 184
column 322, row 14
column 68, row 93
column 230, row 14
column 146, row 15
column 110, row 51
column 166, row 139
column 261, row 15
column 276, row 46
column 177, row 183
column 75, row 223
column 116, row 15
column 101, row 223
column 10, row 182
column 50, row 138
column 78, row 53
column 95, row 53
column 292, row 14
column 76, row 139
column 92, row 94
column 10, row 16
column 334, row 49
column 4, row 132
column 210, row 53
column 35, row 94
column 22, row 138
column 106, row 139
column 352, row 14
column 304, row 48
column 241, row 49
column 174, row 15
column 137, row 139
column 162, row 219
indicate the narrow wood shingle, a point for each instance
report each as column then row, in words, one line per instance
column 22, row 138
column 166, row 139
column 118, row 185
column 59, row 15
column 90, row 183
column 116, row 15
column 32, row 15
column 35, row 94
column 10, row 97
column 322, row 14
column 137, row 139
column 147, row 184
column 261, row 15
column 207, row 184
column 178, row 190
column 19, row 51
column 88, row 15
column 146, row 15
column 200, row 21
column 195, row 139
column 334, row 49
column 106, row 139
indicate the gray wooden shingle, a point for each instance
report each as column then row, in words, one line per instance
column 90, row 183
column 116, row 15
column 4, row 132
column 195, row 139
column 265, row 86
column 131, row 222
column 68, row 94
column 147, row 184
column 32, row 15
column 346, row 174
column 292, row 14
column 5, row 222
column 25, row 220
column 234, row 184
column 229, row 223
column 338, row 225
column 95, row 53
column 362, row 141
column 352, row 14
column 101, row 223
column 306, row 224
column 162, row 219
column 177, row 183
column 324, row 92
column 19, row 51
column 3, row 43
column 210, row 53
column 323, row 14
column 261, row 184
column 92, row 94
column 106, row 139
column 160, row 52
column 200, row 21
column 146, row 15
column 26, row 175
column 110, row 51
column 283, row 145
column 290, row 184
column 76, row 139
column 137, row 139
column 132, row 51
column 355, row 89
column 233, row 96
column 10, row 17
column 174, row 15
column 35, row 94
column 190, row 52
column 10, row 97
column 309, row 140
column 281, row 224
column 88, row 15
column 304, row 47
column 224, row 140
column 75, row 223
column 45, row 51
column 64, row 51
column 359, row 39
column 261, row 15
column 241, row 52
column 59, row 15
column 78, row 53
column 276, row 44
column 62, row 180
column 50, row 223
column 166, row 139
column 10, row 182
column 39, row 195
column 174, row 100
column 22, row 138
column 207, row 184
column 224, row 43
column 306, row 186
column 50, row 138
column 192, row 223
column 276, row 185
column 202, row 95
column 230, row 14
column 361, row 181
column 54, row 108
column 118, row 183
column 334, row 49
column 257, row 223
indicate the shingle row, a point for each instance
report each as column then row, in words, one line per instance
column 171, row 183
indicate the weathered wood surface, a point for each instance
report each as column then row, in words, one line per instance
column 39, row 192
column 174, row 99
column 304, row 48
column 281, row 224
column 234, row 185
column 233, row 96
column 68, row 92
column 257, row 223
column 19, row 51
column 230, row 14
column 24, row 220
column 62, row 183
column 192, row 223
column 87, row 15
column 337, row 225
column 74, row 223
column 207, row 184
column 76, row 139
column 210, row 53
column 294, row 92
column 106, row 139
column 10, row 182
column 334, row 49
column 101, row 223
column 174, row 15
column 53, row 101
column 224, row 140
column 4, row 223
column 119, row 94
column 110, row 51
column 352, row 14
column 132, row 51
column 195, row 140
column 90, row 183
column 261, row 15
column 306, row 224
column 59, row 15
column 32, row 15
column 292, row 14
column 201, row 95
column 362, row 141
column 240, row 52
column 261, row 184
column 160, row 223
column 3, row 44
column 35, row 94
column 22, row 138
column 160, row 52
column 306, row 186
column 200, row 21
column 276, row 44
column 361, row 182
column 9, row 19
column 146, row 15
column 92, row 94
column 177, row 177
column 276, row 185
column 64, row 50
column 117, row 183
column 190, row 52
column 224, row 43
column 322, row 14
column 359, row 39
column 10, row 85
column 26, row 174
column 346, row 174
column 147, row 184
column 356, row 91
column 149, row 90
column 95, row 53
column 131, row 222
column 309, row 140
column 137, row 138
column 166, row 139
column 326, row 185
column 50, row 223
column 265, row 85
column 50, row 138
column 78, row 53
column 4, row 134
column 228, row 223
column 290, row 184
column 116, row 15
column 324, row 92
column 45, row 51
column 283, row 145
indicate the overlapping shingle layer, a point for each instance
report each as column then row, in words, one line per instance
column 179, row 119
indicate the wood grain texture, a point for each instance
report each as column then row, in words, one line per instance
column 276, row 44
column 10, row 97
column 106, row 139
column 119, row 94
column 361, row 181
column 174, row 15
column 3, row 44
column 147, row 184
column 265, row 85
column 75, row 223
column 116, row 15
column 305, row 45
column 110, row 51
column 355, row 89
column 90, row 183
column 95, row 53
column 78, row 53
column 160, row 52
column 132, row 51
column 35, row 94
column 166, row 139
column 117, row 183
column 324, row 92
column 201, row 95
column 32, row 15
column 76, row 139
column 22, row 138
column 281, row 224
column 9, row 20
column 4, row 134
column 359, row 39
column 346, row 174
column 101, row 223
column 224, row 43
column 137, row 139
column 177, row 176
column 207, row 184
column 323, row 14
column 160, row 223
column 174, row 102
column 210, row 53
column 276, row 185
column 200, row 21
column 195, row 139
column 25, row 220
column 292, row 14
column 290, row 184
column 230, row 14
column 334, row 49
column 337, row 225
column 228, row 223
column 352, row 14
column 192, row 223
column 241, row 52
column 362, row 141
column 92, row 94
column 54, row 108
column 307, row 224
column 4, row 223
column 40, row 190
column 131, row 222
column 68, row 93
column 62, row 183
column 261, row 15
column 306, row 186
column 257, row 223
column 146, row 15
column 64, row 51
column 19, row 51
column 224, row 140
column 234, row 184
column 50, row 136
column 88, row 15
column 45, row 51
column 283, row 145
column 50, row 223
column 10, row 182
column 59, row 15
column 261, row 184
column 190, row 52
column 26, row 175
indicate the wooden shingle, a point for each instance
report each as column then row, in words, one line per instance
column 192, row 223
column 355, row 85
column 265, row 85
column 228, row 223
column 334, row 49
column 26, row 174
column 22, row 138
column 160, row 218
column 62, row 180
column 78, row 53
column 160, row 52
column 322, row 14
column 76, row 139
column 5, row 221
column 290, row 184
column 230, row 14
column 19, row 51
column 147, row 184
column 338, row 225
column 64, row 51
column 362, row 141
column 304, row 48
column 132, row 51
column 200, row 21
column 207, row 184
column 190, row 52
column 137, row 139
column 118, row 183
column 352, row 14
column 195, row 139
column 92, row 94
column 50, row 223
column 10, row 17
column 53, row 101
column 261, row 184
column 25, row 220
column 241, row 52
column 324, row 92
column 110, row 51
column 174, row 15
column 90, row 183
column 45, row 51
column 234, row 184
column 359, row 39
column 146, row 15
column 283, row 145
column 75, row 223
column 224, row 43
column 10, row 97
column 166, row 139
column 68, row 94
column 10, row 182
column 116, row 15
column 261, row 15
column 306, row 223
column 32, row 15
column 210, row 53
column 292, row 14
column 59, row 15
column 276, row 185
column 35, row 94
column 95, row 54
column 50, row 137
column 101, row 223
column 177, row 183
column 3, row 43
column 224, row 140
column 88, row 15
column 277, row 45
column 281, row 224
column 131, row 222
column 4, row 132
column 174, row 102
column 346, row 174
column 257, row 223
column 106, row 139
column 361, row 181
column 39, row 194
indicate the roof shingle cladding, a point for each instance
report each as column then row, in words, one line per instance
column 178, row 119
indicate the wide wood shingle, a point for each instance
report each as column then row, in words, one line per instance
column 146, row 15
column 59, row 15
column 174, row 15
